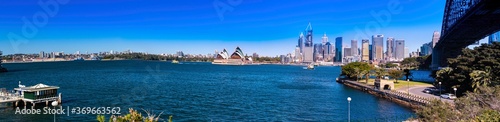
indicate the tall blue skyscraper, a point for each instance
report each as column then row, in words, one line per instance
column 309, row 36
column 493, row 37
column 370, row 51
column 426, row 49
column 338, row 49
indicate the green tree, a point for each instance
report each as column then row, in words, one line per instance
column 482, row 58
column 379, row 73
column 395, row 74
column 410, row 62
column 356, row 69
column 391, row 65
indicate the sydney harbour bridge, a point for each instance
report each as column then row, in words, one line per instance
column 464, row 23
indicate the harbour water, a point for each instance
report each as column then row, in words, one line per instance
column 201, row 91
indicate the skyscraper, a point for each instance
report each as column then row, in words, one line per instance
column 407, row 52
column 354, row 47
column 317, row 56
column 298, row 55
column 328, row 51
column 365, row 53
column 301, row 42
column 426, row 49
column 370, row 48
column 309, row 36
column 338, row 49
column 378, row 45
column 42, row 54
column 347, row 52
column 324, row 39
column 390, row 48
column 308, row 46
column 399, row 49
column 435, row 38
column 347, row 55
column 493, row 37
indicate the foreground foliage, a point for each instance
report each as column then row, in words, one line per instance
column 483, row 105
column 473, row 69
column 133, row 116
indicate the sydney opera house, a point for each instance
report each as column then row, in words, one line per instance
column 237, row 58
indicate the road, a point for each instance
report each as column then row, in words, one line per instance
column 417, row 90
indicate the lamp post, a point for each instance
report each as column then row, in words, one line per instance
column 54, row 104
column 455, row 89
column 440, row 90
column 349, row 109
column 408, row 80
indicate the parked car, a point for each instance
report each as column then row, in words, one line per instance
column 448, row 96
column 428, row 90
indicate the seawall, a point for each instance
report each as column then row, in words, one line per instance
column 411, row 101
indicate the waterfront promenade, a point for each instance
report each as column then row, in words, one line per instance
column 411, row 100
column 417, row 90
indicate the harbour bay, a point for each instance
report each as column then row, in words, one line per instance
column 196, row 91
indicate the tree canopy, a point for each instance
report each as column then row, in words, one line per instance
column 473, row 68
column 395, row 74
column 422, row 62
column 356, row 69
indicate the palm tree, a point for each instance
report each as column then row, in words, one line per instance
column 480, row 78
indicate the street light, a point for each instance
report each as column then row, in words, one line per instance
column 54, row 104
column 349, row 109
column 440, row 90
column 455, row 89
column 408, row 80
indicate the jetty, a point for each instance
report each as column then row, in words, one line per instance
column 406, row 99
column 31, row 95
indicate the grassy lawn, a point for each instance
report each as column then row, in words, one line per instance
column 399, row 84
column 370, row 81
column 402, row 84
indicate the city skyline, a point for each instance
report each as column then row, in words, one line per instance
column 197, row 28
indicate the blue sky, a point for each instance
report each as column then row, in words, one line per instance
column 267, row 27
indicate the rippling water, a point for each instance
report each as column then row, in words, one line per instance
column 200, row 91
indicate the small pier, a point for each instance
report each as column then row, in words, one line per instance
column 33, row 95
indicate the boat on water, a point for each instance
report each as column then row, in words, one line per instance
column 309, row 67
column 175, row 62
column 79, row 59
